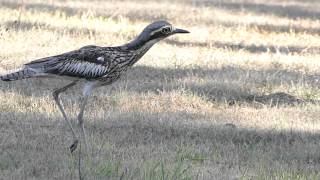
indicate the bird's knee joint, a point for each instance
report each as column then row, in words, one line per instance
column 80, row 119
column 55, row 94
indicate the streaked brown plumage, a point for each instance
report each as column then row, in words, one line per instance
column 97, row 66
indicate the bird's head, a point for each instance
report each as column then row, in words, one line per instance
column 153, row 33
column 160, row 30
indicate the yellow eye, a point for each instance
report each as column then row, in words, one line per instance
column 166, row 30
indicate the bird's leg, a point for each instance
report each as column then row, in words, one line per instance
column 80, row 119
column 56, row 98
column 86, row 92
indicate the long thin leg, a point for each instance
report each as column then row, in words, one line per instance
column 86, row 92
column 80, row 119
column 56, row 98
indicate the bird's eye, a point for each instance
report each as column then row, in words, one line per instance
column 166, row 30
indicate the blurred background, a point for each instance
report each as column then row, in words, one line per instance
column 237, row 98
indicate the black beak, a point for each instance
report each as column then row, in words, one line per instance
column 180, row 31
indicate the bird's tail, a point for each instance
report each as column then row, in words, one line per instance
column 21, row 74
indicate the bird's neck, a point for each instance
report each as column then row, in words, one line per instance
column 139, row 46
column 141, row 43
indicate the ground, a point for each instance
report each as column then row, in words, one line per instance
column 237, row 98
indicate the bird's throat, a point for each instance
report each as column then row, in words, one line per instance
column 141, row 43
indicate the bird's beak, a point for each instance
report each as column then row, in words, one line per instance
column 177, row 30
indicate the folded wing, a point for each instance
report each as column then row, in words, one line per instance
column 89, row 62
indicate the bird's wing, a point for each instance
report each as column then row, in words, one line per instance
column 88, row 62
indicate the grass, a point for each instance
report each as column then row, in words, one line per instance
column 238, row 98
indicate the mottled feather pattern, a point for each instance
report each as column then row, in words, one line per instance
column 20, row 74
column 89, row 62
column 104, row 64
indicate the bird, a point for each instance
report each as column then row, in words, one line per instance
column 96, row 66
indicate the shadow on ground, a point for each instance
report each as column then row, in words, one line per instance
column 271, row 28
column 31, row 142
column 26, row 26
column 228, row 84
column 289, row 11
column 286, row 11
column 133, row 15
column 252, row 48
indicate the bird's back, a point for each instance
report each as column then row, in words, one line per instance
column 89, row 62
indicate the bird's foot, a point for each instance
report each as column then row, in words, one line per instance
column 74, row 146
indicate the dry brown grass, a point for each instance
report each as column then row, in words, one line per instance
column 238, row 98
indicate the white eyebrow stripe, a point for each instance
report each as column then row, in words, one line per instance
column 157, row 30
